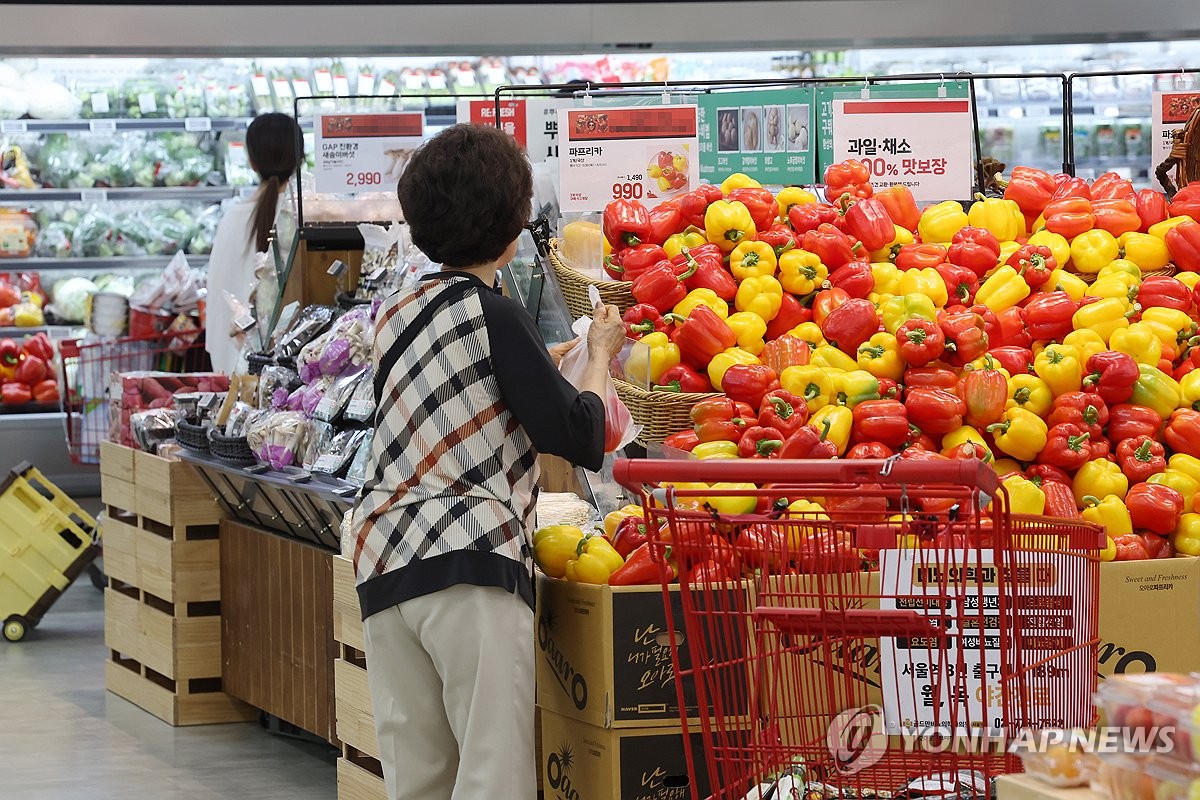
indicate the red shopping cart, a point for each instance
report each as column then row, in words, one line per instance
column 88, row 369
column 891, row 639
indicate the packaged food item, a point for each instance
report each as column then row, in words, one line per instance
column 357, row 474
column 1134, row 135
column 582, row 245
column 1126, row 700
column 346, row 347
column 361, row 407
column 1062, row 762
column 1150, row 778
column 320, row 434
column 277, row 437
column 238, row 419
column 335, row 457
column 307, row 325
column 334, row 403
column 151, row 427
column 1179, row 707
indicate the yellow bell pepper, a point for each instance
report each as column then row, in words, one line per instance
column 940, row 222
column 814, row 384
column 1063, row 281
column 1020, row 433
column 1156, row 390
column 1103, row 317
column 693, row 502
column 1024, row 496
column 1188, row 279
column 726, row 224
column 749, row 329
column 809, row 332
column 707, row 451
column 1030, row 393
column 1148, row 252
column 554, row 546
column 1178, row 480
column 1092, row 250
column 1006, row 252
column 880, row 356
column 878, row 299
column 1178, row 322
column 1002, row 217
column 762, row 296
column 1182, row 462
column 752, row 259
column 886, row 277
column 1109, row 513
column 739, row 180
column 594, row 562
column 1006, row 466
column 1109, row 553
column 735, row 504
column 809, row 508
column 1122, row 288
column 963, row 435
column 612, row 520
column 1003, row 290
column 1086, row 342
column 1057, row 243
column 701, row 297
column 1186, row 537
column 888, row 252
column 1099, row 478
column 899, row 310
column 1139, row 341
column 986, row 361
column 793, row 196
column 801, row 272
column 1159, row 229
column 652, row 355
column 840, row 419
column 676, row 242
column 725, row 360
column 829, row 357
column 927, row 282
column 1189, row 388
column 1058, row 365
column 853, row 387
column 1123, row 268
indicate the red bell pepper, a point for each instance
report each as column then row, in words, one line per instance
column 666, row 219
column 1012, row 329
column 1186, row 202
column 832, row 246
column 1030, row 188
column 684, row 440
column 1126, row 421
column 890, row 390
column 1088, row 411
column 1043, row 474
column 966, row 338
column 827, row 301
column 1141, row 457
column 702, row 336
column 760, row 442
column 1034, row 263
column 760, row 203
column 626, row 224
column 1183, row 431
column 46, row 392
column 1070, row 216
column 784, row 411
column 1111, row 186
column 1048, row 315
column 876, row 450
column 1140, row 547
column 985, row 392
column 642, row 319
column 39, row 345
column 1016, row 360
column 791, row 313
column 901, row 207
column 31, row 370
column 855, row 278
column 761, row 546
column 708, row 271
column 1151, row 208
column 780, row 237
column 920, row 256
column 922, row 442
column 1068, row 186
column 935, row 411
column 921, row 341
column 660, row 287
column 1183, row 243
column 977, row 249
column 967, row 450
column 1060, row 501
column 629, row 535
column 640, row 569
column 961, row 282
column 749, row 383
column 883, row 421
column 693, row 204
column 786, row 351
column 930, row 378
column 807, row 217
column 1161, row 291
column 808, row 442
column 1111, row 376
column 868, row 221
column 1116, row 216
column 850, row 177
column 991, row 323
column 10, row 358
column 1066, row 447
column 850, row 324
column 683, row 378
column 15, row 394
column 708, row 573
column 1154, row 507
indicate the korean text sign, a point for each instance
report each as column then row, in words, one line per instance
column 359, row 153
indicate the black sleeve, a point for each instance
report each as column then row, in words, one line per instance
column 559, row 419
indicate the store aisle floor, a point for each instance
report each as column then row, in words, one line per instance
column 63, row 737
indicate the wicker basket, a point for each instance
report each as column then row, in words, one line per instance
column 1090, row 277
column 575, row 285
column 231, row 449
column 193, row 437
column 659, row 413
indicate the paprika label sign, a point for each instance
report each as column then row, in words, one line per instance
column 1170, row 113
column 924, row 144
column 361, row 153
column 645, row 153
column 766, row 135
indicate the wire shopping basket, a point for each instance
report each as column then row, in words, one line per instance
column 888, row 642
column 88, row 371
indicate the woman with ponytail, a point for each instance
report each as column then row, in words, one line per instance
column 274, row 147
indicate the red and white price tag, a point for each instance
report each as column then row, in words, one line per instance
column 646, row 153
column 924, row 144
column 483, row 112
column 359, row 153
column 1170, row 113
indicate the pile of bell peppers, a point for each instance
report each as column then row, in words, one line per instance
column 1039, row 331
column 27, row 373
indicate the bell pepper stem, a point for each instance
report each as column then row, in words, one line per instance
column 783, row 408
column 1021, row 396
column 811, row 391
column 1143, row 452
column 1091, row 500
column 766, row 447
column 673, row 386
column 999, row 426
column 825, row 429
column 735, row 236
column 673, row 317
column 1076, row 442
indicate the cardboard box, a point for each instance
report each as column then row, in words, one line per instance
column 578, row 760
column 1150, row 616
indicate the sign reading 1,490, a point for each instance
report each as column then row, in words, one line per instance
column 363, row 178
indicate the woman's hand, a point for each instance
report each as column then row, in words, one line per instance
column 606, row 336
column 559, row 351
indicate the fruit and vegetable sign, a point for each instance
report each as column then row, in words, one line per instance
column 645, row 153
column 1170, row 113
column 359, row 153
column 766, row 135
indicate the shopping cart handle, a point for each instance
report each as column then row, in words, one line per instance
column 636, row 473
column 855, row 623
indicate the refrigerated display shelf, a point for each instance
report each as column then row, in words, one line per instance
column 53, row 331
column 101, row 195
column 97, row 264
column 192, row 124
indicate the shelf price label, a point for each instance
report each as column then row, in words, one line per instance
column 924, row 144
column 102, row 126
column 1170, row 112
column 359, row 153
column 93, row 196
column 646, row 153
column 197, row 124
column 13, row 126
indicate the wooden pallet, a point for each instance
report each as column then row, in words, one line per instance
column 359, row 777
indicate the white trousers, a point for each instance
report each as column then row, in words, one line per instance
column 451, row 677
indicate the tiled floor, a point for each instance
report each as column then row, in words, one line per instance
column 63, row 737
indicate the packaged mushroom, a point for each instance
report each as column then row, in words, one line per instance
column 361, row 407
column 277, row 437
column 336, row 456
column 308, row 325
column 337, row 397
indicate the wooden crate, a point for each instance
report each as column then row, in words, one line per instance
column 360, row 777
column 195, row 702
column 178, row 564
column 172, row 493
column 355, row 720
column 347, row 618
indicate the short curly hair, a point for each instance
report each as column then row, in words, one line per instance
column 466, row 195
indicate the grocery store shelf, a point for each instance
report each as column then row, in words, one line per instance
column 98, row 264
column 100, row 195
column 194, row 124
column 53, row 331
column 17, row 417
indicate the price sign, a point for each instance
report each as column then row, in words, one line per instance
column 924, row 144
column 357, row 153
column 13, row 126
column 512, row 116
column 1170, row 113
column 102, row 126
column 197, row 124
column 93, row 196
column 646, row 153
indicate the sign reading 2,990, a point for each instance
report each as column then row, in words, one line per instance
column 358, row 153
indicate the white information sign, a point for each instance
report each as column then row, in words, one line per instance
column 1170, row 113
column 924, row 144
column 358, row 153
